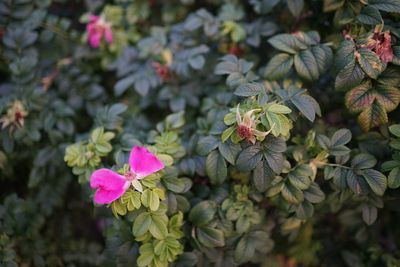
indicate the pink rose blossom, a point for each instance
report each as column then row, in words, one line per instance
column 111, row 185
column 96, row 29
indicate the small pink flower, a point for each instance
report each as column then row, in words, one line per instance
column 111, row 185
column 96, row 29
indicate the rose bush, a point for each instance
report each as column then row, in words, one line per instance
column 200, row 133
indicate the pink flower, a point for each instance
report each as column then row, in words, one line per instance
column 111, row 185
column 96, row 28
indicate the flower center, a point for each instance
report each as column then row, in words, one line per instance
column 245, row 131
column 130, row 175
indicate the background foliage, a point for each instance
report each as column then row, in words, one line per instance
column 277, row 120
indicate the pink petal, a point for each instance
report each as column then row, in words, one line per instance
column 108, row 34
column 94, row 39
column 110, row 185
column 143, row 162
column 106, row 197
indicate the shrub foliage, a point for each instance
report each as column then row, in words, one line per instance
column 277, row 122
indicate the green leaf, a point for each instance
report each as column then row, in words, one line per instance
column 118, row 208
column 304, row 103
column 341, row 137
column 150, row 199
column 278, row 66
column 249, row 89
column 306, row 65
column 370, row 16
column 304, row 211
column 141, row 224
column 229, row 151
column 323, row 55
column 203, row 212
column 281, row 124
column 363, row 161
column 385, row 5
column 350, row 73
column 394, row 178
column 286, row 43
column 356, row 183
column 262, row 176
column 272, row 152
column 131, row 199
column 158, row 227
column 210, row 237
column 216, row 167
column 146, row 255
column 174, row 184
column 227, row 133
column 376, row 181
column 292, row 194
column 369, row 62
column 395, row 129
column 249, row 158
column 206, row 145
column 295, row 7
column 245, row 249
column 314, row 194
column 278, row 108
column 369, row 214
column 298, row 181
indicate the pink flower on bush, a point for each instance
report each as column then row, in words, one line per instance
column 96, row 29
column 111, row 185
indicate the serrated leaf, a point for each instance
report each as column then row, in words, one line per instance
column 278, row 66
column 376, row 181
column 216, row 168
column 206, row 145
column 363, row 161
column 227, row 133
column 158, row 228
column 202, row 213
column 341, row 137
column 356, row 183
column 369, row 62
column 210, row 237
column 141, row 224
column 229, row 151
column 249, row 89
column 300, row 182
column 370, row 16
column 292, row 194
column 262, row 176
column 394, row 178
column 286, row 43
column 373, row 102
column 306, row 65
column 278, row 108
column 386, row 5
column 314, row 194
column 249, row 158
column 395, row 129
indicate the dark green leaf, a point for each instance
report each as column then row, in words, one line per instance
column 202, row 213
column 216, row 167
column 278, row 66
column 369, row 214
column 210, row 237
column 376, row 181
